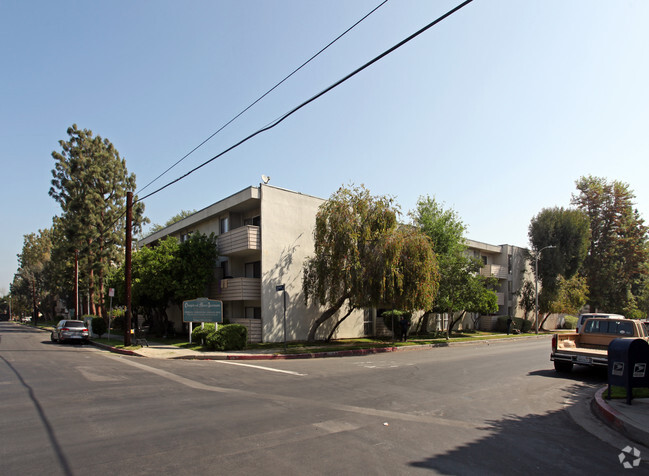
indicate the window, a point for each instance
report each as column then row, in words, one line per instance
column 596, row 326
column 254, row 221
column 224, row 225
column 253, row 313
column 225, row 266
column 253, row 270
column 484, row 260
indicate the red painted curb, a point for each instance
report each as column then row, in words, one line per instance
column 605, row 411
column 311, row 355
column 114, row 349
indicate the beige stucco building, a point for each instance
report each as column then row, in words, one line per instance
column 265, row 233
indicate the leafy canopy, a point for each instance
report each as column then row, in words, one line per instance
column 616, row 264
column 363, row 257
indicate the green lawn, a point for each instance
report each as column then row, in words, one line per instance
column 620, row 392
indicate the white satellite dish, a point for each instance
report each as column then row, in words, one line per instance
column 265, row 178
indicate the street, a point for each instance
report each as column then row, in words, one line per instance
column 494, row 408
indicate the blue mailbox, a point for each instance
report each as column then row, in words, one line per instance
column 628, row 362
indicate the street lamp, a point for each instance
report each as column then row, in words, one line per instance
column 536, row 283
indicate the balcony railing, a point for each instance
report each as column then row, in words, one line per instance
column 496, row 270
column 243, row 239
column 239, row 289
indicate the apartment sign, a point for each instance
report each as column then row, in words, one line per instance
column 202, row 310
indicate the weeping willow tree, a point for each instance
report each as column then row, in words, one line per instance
column 363, row 258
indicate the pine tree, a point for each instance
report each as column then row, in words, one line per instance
column 615, row 266
column 90, row 182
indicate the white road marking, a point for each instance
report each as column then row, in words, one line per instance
column 91, row 374
column 259, row 367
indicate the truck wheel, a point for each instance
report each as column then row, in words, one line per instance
column 562, row 366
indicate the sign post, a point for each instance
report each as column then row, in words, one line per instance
column 202, row 310
column 282, row 288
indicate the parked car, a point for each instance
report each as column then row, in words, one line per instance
column 71, row 331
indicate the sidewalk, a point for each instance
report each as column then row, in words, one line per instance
column 167, row 351
column 630, row 420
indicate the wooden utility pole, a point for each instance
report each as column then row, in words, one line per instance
column 76, row 284
column 127, row 266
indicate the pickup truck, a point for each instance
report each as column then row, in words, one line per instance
column 590, row 345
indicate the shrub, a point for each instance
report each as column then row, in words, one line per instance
column 200, row 334
column 501, row 324
column 99, row 325
column 228, row 337
column 523, row 325
column 518, row 324
column 570, row 322
column 118, row 321
column 394, row 316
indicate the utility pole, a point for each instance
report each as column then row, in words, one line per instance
column 76, row 284
column 127, row 266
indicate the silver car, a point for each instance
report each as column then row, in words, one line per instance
column 69, row 330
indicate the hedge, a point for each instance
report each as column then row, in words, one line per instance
column 228, row 337
column 199, row 334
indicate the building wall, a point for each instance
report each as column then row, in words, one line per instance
column 288, row 221
column 511, row 266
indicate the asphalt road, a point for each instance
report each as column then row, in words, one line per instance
column 475, row 409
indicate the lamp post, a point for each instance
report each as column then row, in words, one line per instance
column 536, row 284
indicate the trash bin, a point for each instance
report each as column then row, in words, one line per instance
column 628, row 362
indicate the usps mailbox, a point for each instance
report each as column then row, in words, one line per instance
column 628, row 365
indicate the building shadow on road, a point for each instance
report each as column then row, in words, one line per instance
column 533, row 444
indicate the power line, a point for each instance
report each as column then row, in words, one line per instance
column 265, row 94
column 308, row 101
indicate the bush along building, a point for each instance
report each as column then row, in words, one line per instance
column 264, row 234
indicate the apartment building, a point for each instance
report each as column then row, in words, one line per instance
column 510, row 265
column 264, row 235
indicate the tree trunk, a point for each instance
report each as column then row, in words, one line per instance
column 452, row 322
column 423, row 323
column 351, row 309
column 325, row 316
column 91, row 293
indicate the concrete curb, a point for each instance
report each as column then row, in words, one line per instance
column 617, row 420
column 114, row 349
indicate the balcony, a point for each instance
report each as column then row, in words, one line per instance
column 239, row 289
column 242, row 240
column 495, row 270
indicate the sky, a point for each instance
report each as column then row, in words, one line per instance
column 495, row 112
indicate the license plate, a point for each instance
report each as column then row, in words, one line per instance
column 583, row 360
